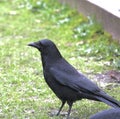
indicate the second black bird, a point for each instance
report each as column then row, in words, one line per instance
column 107, row 114
column 65, row 81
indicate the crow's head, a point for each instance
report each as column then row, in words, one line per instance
column 43, row 45
column 46, row 47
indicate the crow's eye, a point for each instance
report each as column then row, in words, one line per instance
column 41, row 44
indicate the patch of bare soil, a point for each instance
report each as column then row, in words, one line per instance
column 111, row 78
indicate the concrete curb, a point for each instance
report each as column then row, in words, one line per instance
column 105, row 15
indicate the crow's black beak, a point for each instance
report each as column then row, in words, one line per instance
column 31, row 44
column 34, row 44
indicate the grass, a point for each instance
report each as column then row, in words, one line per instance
column 82, row 41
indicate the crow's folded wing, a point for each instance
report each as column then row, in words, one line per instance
column 68, row 76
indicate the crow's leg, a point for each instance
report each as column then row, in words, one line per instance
column 70, row 107
column 63, row 103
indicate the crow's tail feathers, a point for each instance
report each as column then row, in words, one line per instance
column 108, row 100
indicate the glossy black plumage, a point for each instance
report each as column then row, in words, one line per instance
column 107, row 114
column 65, row 81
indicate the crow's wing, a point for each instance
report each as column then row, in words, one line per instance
column 67, row 75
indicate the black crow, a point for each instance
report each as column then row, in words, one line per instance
column 107, row 114
column 65, row 81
